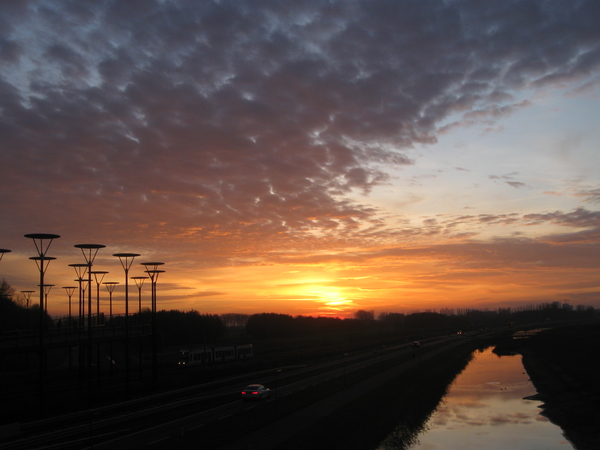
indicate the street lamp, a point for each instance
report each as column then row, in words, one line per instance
column 42, row 242
column 47, row 288
column 27, row 295
column 139, row 282
column 70, row 290
column 3, row 251
column 80, row 271
column 153, row 272
column 89, row 252
column 98, row 277
column 110, row 287
column 126, row 260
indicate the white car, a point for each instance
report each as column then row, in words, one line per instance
column 255, row 392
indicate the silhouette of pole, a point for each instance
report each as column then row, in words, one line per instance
column 47, row 288
column 153, row 272
column 98, row 277
column 139, row 282
column 126, row 260
column 89, row 252
column 27, row 295
column 3, row 251
column 42, row 242
column 110, row 287
column 80, row 272
column 69, row 290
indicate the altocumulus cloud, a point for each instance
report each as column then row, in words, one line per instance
column 213, row 119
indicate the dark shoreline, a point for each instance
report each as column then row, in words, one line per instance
column 564, row 366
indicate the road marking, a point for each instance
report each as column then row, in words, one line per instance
column 196, row 426
column 158, row 440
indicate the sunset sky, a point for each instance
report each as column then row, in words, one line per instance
column 306, row 157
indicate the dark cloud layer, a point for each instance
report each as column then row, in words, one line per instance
column 245, row 119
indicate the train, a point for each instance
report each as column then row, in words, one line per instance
column 213, row 355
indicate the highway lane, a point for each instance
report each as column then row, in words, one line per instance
column 166, row 434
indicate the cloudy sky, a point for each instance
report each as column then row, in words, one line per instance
column 307, row 157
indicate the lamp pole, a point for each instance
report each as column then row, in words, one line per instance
column 139, row 282
column 27, row 295
column 42, row 242
column 69, row 290
column 89, row 252
column 126, row 260
column 153, row 272
column 47, row 288
column 98, row 277
column 110, row 287
column 80, row 271
column 3, row 251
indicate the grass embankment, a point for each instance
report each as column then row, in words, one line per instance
column 564, row 366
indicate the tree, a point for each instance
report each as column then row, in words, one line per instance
column 234, row 320
column 361, row 314
column 270, row 325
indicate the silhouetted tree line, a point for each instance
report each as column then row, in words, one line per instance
column 176, row 327
column 271, row 325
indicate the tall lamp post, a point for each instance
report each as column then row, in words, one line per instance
column 139, row 282
column 27, row 295
column 47, row 288
column 3, row 251
column 69, row 290
column 98, row 277
column 89, row 252
column 42, row 242
column 110, row 287
column 126, row 260
column 153, row 272
column 80, row 271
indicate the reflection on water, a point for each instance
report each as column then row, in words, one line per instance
column 485, row 408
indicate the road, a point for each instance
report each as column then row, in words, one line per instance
column 181, row 433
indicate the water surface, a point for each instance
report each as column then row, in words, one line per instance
column 485, row 409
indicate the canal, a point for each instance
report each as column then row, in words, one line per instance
column 488, row 406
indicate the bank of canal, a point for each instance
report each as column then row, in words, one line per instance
column 490, row 405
